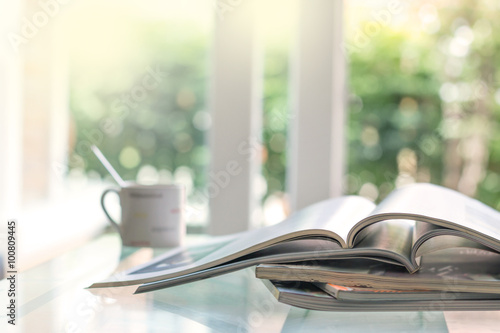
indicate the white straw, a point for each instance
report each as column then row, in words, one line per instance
column 108, row 166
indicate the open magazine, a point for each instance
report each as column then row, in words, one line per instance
column 411, row 222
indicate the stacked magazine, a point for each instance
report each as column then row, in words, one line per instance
column 424, row 247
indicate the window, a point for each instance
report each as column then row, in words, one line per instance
column 174, row 91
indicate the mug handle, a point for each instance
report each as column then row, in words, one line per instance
column 113, row 222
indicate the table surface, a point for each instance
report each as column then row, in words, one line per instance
column 52, row 298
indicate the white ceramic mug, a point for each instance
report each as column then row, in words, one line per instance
column 151, row 215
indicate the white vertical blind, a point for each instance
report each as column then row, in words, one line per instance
column 59, row 112
column 34, row 118
column 318, row 105
column 236, row 112
column 10, row 115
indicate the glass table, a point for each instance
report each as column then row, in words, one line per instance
column 52, row 297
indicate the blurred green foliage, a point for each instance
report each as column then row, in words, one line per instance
column 425, row 99
column 394, row 104
column 161, row 117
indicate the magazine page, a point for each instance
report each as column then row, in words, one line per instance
column 394, row 236
column 331, row 218
column 429, row 238
column 433, row 242
column 293, row 250
column 298, row 250
column 439, row 206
